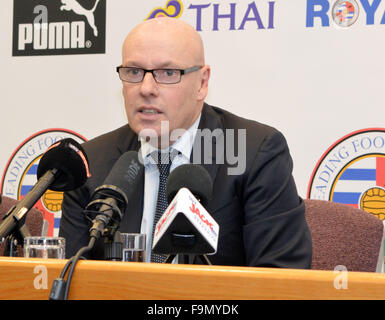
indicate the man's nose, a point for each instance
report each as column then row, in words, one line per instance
column 149, row 86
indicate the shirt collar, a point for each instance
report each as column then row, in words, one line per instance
column 184, row 143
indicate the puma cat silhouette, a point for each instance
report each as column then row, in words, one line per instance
column 73, row 5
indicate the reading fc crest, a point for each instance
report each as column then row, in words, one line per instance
column 352, row 171
column 20, row 174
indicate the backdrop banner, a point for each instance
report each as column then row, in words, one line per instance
column 311, row 68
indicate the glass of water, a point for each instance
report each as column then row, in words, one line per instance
column 44, row 247
column 134, row 247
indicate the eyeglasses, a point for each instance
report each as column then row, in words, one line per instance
column 165, row 76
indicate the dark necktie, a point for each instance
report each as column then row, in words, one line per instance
column 163, row 161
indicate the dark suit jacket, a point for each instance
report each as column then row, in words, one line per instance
column 260, row 215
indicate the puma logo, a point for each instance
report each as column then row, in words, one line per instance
column 73, row 5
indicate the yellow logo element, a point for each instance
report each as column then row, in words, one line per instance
column 52, row 200
column 172, row 9
column 373, row 201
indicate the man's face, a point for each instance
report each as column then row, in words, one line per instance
column 149, row 103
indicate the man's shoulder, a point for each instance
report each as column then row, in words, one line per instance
column 103, row 151
column 109, row 142
column 230, row 120
column 253, row 134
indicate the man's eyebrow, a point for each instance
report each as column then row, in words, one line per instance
column 167, row 64
column 163, row 65
column 130, row 64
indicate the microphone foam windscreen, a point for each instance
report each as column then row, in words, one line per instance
column 193, row 177
column 121, row 184
column 71, row 161
column 126, row 173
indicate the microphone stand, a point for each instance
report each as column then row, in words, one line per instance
column 16, row 236
column 187, row 258
column 13, row 222
column 60, row 287
column 187, row 241
column 10, row 246
column 113, row 247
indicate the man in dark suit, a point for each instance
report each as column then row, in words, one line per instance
column 255, row 201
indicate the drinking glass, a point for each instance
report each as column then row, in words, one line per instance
column 134, row 247
column 44, row 247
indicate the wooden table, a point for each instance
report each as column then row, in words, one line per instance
column 22, row 278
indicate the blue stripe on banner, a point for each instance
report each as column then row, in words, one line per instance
column 24, row 190
column 33, row 169
column 56, row 223
column 359, row 174
column 346, row 197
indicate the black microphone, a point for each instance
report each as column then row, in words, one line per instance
column 105, row 210
column 63, row 167
column 109, row 201
column 186, row 228
column 193, row 177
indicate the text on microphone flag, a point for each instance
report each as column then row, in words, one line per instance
column 185, row 203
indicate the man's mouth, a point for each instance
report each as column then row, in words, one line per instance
column 149, row 111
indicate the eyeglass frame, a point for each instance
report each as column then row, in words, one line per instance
column 182, row 72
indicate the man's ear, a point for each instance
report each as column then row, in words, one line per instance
column 204, row 83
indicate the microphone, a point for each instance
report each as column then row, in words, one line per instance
column 63, row 167
column 186, row 227
column 105, row 210
column 109, row 201
column 193, row 177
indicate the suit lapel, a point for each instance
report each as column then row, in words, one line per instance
column 127, row 141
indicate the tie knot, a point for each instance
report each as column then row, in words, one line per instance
column 164, row 159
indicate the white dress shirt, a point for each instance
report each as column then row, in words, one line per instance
column 151, row 178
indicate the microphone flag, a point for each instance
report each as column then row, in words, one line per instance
column 186, row 216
